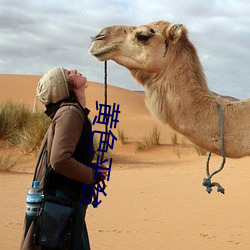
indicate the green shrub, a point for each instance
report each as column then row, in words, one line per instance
column 174, row 139
column 147, row 142
column 13, row 118
column 142, row 145
column 200, row 151
column 21, row 127
column 7, row 162
column 122, row 137
column 155, row 136
column 31, row 136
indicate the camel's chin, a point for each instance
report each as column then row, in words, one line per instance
column 103, row 53
column 100, row 57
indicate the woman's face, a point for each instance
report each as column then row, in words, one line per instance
column 75, row 78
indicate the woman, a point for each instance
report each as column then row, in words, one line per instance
column 62, row 92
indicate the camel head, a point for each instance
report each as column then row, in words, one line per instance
column 144, row 48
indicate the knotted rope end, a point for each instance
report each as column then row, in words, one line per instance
column 208, row 184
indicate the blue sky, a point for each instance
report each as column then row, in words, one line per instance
column 37, row 35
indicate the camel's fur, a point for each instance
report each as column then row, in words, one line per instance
column 161, row 58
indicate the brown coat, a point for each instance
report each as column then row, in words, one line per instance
column 68, row 145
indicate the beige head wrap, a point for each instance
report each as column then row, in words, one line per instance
column 53, row 86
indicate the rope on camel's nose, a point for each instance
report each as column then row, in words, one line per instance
column 207, row 181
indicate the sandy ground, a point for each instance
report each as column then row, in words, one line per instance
column 155, row 199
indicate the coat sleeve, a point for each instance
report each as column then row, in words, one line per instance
column 67, row 131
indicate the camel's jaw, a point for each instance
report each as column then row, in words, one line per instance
column 102, row 52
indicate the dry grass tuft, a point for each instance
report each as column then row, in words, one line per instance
column 200, row 151
column 122, row 137
column 147, row 142
column 7, row 162
column 21, row 127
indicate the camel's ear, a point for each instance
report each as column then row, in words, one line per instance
column 174, row 32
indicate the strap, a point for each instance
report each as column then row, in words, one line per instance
column 41, row 154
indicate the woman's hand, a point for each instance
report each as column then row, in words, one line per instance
column 103, row 172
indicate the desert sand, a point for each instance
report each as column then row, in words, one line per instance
column 155, row 199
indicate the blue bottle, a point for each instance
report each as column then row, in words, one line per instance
column 34, row 200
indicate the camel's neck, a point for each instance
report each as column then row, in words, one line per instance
column 181, row 98
column 191, row 111
column 179, row 102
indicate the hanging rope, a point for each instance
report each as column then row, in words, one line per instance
column 106, row 124
column 105, row 103
column 94, row 202
column 207, row 181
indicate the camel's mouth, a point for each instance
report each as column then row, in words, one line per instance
column 103, row 51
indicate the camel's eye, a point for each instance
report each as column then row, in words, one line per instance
column 142, row 37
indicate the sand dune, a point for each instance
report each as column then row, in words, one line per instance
column 155, row 199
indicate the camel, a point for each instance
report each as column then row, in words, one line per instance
column 162, row 59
